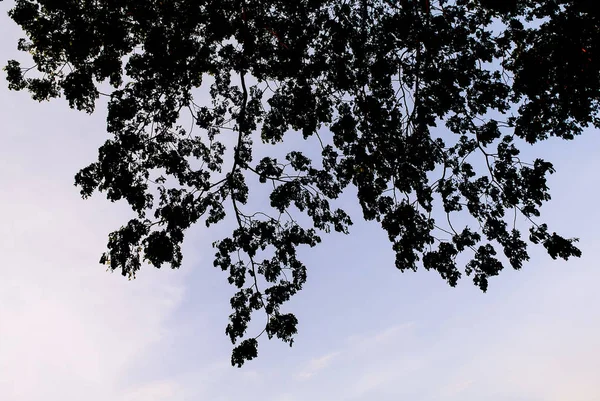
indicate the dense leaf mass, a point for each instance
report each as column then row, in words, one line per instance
column 398, row 97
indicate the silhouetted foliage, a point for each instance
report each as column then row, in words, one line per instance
column 398, row 96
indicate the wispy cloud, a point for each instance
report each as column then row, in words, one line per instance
column 356, row 346
column 380, row 338
column 455, row 388
column 162, row 390
column 316, row 365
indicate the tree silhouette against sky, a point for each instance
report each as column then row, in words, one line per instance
column 421, row 106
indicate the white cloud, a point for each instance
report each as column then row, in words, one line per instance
column 316, row 365
column 456, row 388
column 360, row 351
column 383, row 338
column 156, row 391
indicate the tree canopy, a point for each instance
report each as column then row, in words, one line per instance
column 396, row 98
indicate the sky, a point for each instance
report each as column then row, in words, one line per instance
column 71, row 331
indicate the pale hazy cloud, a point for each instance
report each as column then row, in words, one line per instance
column 316, row 365
column 68, row 329
column 162, row 390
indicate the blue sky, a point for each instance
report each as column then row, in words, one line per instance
column 71, row 331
